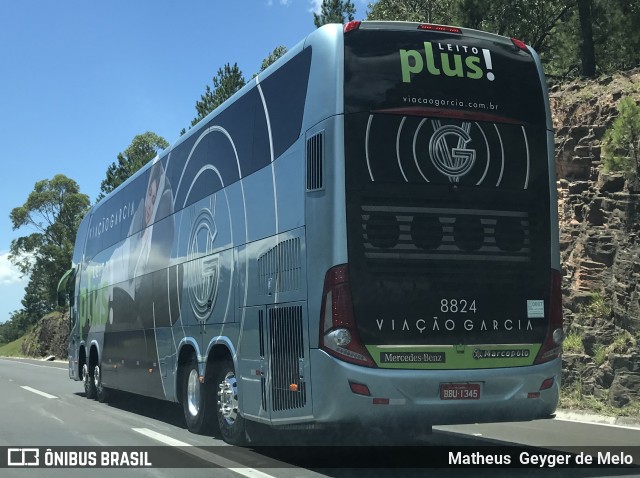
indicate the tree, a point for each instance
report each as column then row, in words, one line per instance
column 143, row 148
column 227, row 81
column 429, row 11
column 587, row 51
column 334, row 11
column 53, row 210
column 273, row 56
column 621, row 143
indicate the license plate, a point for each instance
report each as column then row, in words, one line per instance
column 459, row 391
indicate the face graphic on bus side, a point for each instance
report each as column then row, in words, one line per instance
column 150, row 200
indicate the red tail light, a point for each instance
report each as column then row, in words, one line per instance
column 352, row 25
column 552, row 345
column 338, row 332
column 520, row 44
column 438, row 28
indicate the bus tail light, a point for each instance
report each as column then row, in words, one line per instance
column 338, row 332
column 552, row 345
column 352, row 25
column 439, row 28
column 520, row 44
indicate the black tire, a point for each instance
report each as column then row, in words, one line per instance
column 230, row 422
column 102, row 392
column 198, row 400
column 87, row 380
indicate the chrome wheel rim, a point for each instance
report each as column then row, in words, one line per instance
column 96, row 378
column 85, row 374
column 193, row 393
column 228, row 394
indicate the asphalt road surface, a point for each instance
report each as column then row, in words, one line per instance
column 42, row 410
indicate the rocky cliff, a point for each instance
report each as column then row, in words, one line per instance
column 48, row 337
column 599, row 241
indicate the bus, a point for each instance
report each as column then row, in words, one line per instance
column 366, row 234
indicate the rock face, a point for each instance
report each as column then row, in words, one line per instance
column 48, row 337
column 599, row 237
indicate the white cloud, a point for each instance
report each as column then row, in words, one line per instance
column 9, row 274
column 315, row 6
column 285, row 3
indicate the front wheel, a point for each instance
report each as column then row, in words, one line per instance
column 231, row 424
column 89, row 384
column 197, row 400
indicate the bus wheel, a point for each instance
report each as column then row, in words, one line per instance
column 232, row 425
column 102, row 393
column 87, row 380
column 197, row 400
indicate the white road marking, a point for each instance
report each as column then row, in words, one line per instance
column 204, row 455
column 33, row 390
column 160, row 437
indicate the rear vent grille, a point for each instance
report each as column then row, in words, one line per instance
column 315, row 162
column 279, row 269
column 287, row 354
column 411, row 234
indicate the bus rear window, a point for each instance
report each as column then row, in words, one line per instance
column 441, row 74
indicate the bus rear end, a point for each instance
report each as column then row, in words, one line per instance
column 449, row 308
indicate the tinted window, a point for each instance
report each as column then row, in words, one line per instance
column 414, row 69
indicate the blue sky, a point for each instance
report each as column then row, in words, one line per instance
column 78, row 80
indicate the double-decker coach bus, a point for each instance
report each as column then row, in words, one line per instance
column 366, row 233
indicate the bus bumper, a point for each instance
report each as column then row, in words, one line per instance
column 412, row 397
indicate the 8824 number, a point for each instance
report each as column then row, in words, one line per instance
column 457, row 306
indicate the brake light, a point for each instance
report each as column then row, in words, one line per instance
column 353, row 25
column 520, row 44
column 338, row 332
column 552, row 346
column 439, row 28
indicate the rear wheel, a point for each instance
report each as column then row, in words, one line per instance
column 197, row 400
column 231, row 424
column 87, row 380
column 102, row 393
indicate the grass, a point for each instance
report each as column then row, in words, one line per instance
column 597, row 307
column 12, row 349
column 572, row 398
column 573, row 343
column 600, row 354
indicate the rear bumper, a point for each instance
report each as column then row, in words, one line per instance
column 412, row 397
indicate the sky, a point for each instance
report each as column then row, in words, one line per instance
column 79, row 79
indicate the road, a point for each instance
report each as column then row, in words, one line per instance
column 41, row 408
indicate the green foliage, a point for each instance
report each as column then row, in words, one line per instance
column 623, row 344
column 53, row 211
column 431, row 11
column 597, row 307
column 599, row 354
column 227, row 81
column 143, row 148
column 334, row 11
column 621, row 143
column 273, row 56
column 573, row 343
column 12, row 348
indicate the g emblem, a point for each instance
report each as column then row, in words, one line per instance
column 448, row 151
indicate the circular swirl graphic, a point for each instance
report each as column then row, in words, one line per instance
column 202, row 267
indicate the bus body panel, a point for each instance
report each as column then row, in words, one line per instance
column 411, row 398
